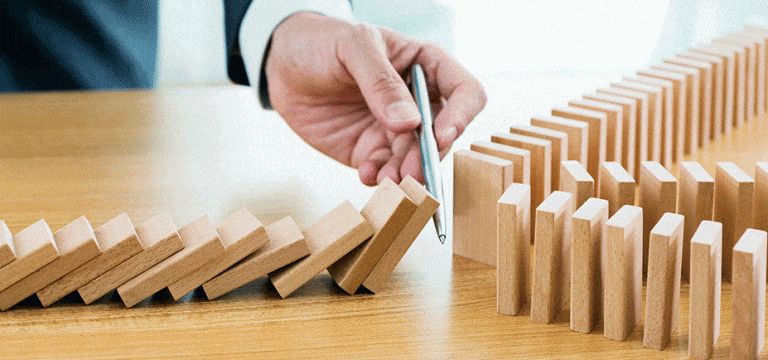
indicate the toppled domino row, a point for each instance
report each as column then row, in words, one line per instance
column 358, row 249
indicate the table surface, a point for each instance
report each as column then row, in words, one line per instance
column 211, row 151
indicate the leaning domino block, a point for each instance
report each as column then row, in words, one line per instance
column 558, row 140
column 329, row 239
column 616, row 186
column 541, row 168
column 662, row 304
column 35, row 248
column 578, row 134
column 614, row 129
column 706, row 273
column 623, row 286
column 7, row 251
column 576, row 180
column 628, row 123
column 587, row 264
column 520, row 158
column 513, row 271
column 697, row 190
column 733, row 207
column 597, row 133
column 658, row 195
column 748, row 312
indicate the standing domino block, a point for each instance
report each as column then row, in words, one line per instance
column 201, row 245
column 597, row 122
column 578, row 134
column 520, row 158
column 760, row 69
column 692, row 117
column 479, row 180
column 159, row 240
column 662, row 304
column 761, row 192
column 7, row 251
column 643, row 105
column 426, row 205
column 655, row 89
column 242, row 234
column 679, row 108
column 329, row 239
column 628, row 124
column 733, row 207
column 551, row 257
column 513, row 271
column 705, row 71
column 118, row 242
column 748, row 312
column 576, row 180
column 706, row 273
column 750, row 48
column 587, row 264
column 623, row 281
column 616, row 186
column 718, row 88
column 286, row 244
column 729, row 81
column 658, row 195
column 558, row 140
column 541, row 169
column 614, row 129
column 35, row 248
column 697, row 191
column 740, row 59
column 76, row 243
column 388, row 210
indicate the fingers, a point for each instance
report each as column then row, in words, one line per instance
column 412, row 164
column 369, row 169
column 401, row 144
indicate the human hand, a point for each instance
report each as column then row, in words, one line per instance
column 339, row 86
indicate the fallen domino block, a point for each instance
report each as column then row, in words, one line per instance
column 329, row 239
column 597, row 133
column 616, row 186
column 733, row 207
column 578, row 134
column 520, row 158
column 696, row 194
column 286, row 245
column 576, row 180
column 748, row 311
column 242, row 234
column 628, row 124
column 614, row 129
column 658, row 195
column 558, row 141
column 76, row 243
column 587, row 265
column 623, row 286
column 513, row 271
column 706, row 273
column 7, row 251
column 35, row 248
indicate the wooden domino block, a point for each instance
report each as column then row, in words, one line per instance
column 762, row 59
column 201, row 245
column 586, row 264
column 642, row 102
column 730, row 101
column 748, row 311
column 513, row 270
column 652, row 129
column 242, row 234
column 520, row 158
column 388, row 210
column 706, row 94
column 679, row 108
column 733, row 207
column 159, row 240
column 719, row 89
column 541, row 168
column 628, row 124
column 76, row 243
column 578, row 134
column 7, row 251
column 616, row 186
column 623, row 281
column 761, row 42
column 597, row 133
column 706, row 273
column 559, row 143
column 479, row 180
column 662, row 304
column 426, row 205
column 696, row 194
column 692, row 116
column 35, row 248
column 286, row 245
column 118, row 242
column 551, row 257
column 749, row 64
column 740, row 59
column 658, row 195
column 760, row 212
column 614, row 128
column 576, row 180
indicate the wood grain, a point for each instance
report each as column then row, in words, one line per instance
column 587, row 259
column 541, row 163
column 696, row 196
column 559, row 142
column 643, row 105
column 733, row 207
column 759, row 211
column 597, row 121
column 616, row 186
column 652, row 137
column 679, row 107
column 628, row 124
column 706, row 94
column 35, row 248
column 692, row 103
column 7, row 250
column 705, row 289
column 658, row 195
column 520, row 158
column 614, row 127
column 578, row 134
column 577, row 181
column 719, row 89
column 748, row 326
column 513, row 270
column 730, row 98
column 623, row 283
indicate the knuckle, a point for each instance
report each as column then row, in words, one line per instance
column 384, row 81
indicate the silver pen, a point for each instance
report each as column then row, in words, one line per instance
column 430, row 158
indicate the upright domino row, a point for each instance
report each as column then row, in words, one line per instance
column 357, row 248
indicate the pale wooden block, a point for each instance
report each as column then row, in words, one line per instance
column 760, row 68
column 479, row 180
column 614, row 128
column 426, row 205
column 616, row 186
column 559, row 143
column 692, row 115
column 35, row 248
column 586, row 264
column 642, row 101
column 551, row 257
column 733, row 207
column 330, row 238
column 679, row 108
column 541, row 163
column 201, row 245
column 762, row 60
column 748, row 311
column 576, row 180
column 706, row 273
column 597, row 133
column 7, row 251
column 286, row 245
column 731, row 100
column 653, row 136
column 760, row 211
column 740, row 60
column 513, row 271
column 159, row 240
column 118, row 242
column 578, row 134
column 76, row 244
column 629, row 125
column 520, row 158
column 706, row 94
column 242, row 234
column 388, row 210
column 662, row 304
column 623, row 277
column 719, row 89
column 658, row 195
column 749, row 82
column 696, row 194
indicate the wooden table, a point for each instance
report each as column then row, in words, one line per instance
column 211, row 151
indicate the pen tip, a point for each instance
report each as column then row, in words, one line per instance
column 442, row 239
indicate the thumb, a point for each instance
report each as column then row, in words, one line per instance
column 385, row 92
